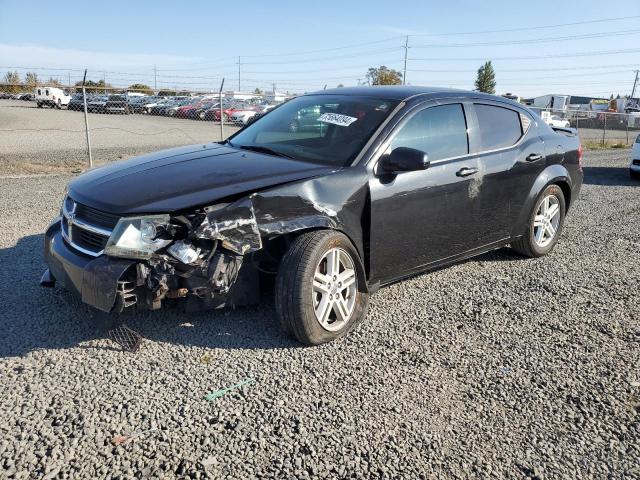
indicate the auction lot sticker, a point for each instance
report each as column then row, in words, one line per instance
column 337, row 119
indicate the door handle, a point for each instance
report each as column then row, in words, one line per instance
column 534, row 157
column 466, row 171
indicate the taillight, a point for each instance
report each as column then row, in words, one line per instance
column 580, row 162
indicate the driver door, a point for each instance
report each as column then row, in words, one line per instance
column 422, row 217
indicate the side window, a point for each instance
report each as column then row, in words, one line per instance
column 439, row 131
column 499, row 127
column 46, row 92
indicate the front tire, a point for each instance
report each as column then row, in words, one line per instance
column 545, row 224
column 320, row 288
column 634, row 174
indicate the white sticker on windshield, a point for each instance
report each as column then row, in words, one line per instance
column 337, row 119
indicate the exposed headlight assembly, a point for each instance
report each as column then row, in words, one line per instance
column 138, row 237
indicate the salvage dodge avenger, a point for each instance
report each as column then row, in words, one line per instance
column 382, row 184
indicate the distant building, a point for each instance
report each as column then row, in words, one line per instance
column 275, row 97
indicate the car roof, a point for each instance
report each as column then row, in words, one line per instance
column 404, row 92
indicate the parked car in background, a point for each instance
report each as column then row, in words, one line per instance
column 557, row 121
column 159, row 107
column 117, row 104
column 137, row 104
column 200, row 110
column 230, row 110
column 399, row 181
column 170, row 109
column 634, row 168
column 97, row 104
column 51, row 97
column 27, row 97
column 77, row 102
column 149, row 103
column 185, row 111
column 243, row 116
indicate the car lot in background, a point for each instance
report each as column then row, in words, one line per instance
column 634, row 168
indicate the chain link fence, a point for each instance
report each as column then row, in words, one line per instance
column 69, row 128
column 602, row 128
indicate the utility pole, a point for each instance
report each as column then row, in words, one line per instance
column 406, row 50
column 635, row 82
column 69, row 78
column 155, row 78
column 104, row 81
column 239, row 89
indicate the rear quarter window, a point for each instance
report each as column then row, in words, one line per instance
column 499, row 127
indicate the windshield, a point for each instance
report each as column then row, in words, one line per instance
column 325, row 129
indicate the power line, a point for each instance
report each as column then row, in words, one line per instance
column 532, row 57
column 532, row 69
column 583, row 36
column 522, row 29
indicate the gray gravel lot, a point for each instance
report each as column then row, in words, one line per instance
column 498, row 367
column 44, row 140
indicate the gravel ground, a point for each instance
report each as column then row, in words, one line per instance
column 497, row 367
column 43, row 140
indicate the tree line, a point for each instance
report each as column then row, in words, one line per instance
column 485, row 80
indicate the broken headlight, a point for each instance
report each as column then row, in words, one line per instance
column 139, row 237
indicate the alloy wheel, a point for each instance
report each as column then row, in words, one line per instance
column 334, row 289
column 546, row 221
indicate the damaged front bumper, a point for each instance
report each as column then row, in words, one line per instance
column 114, row 284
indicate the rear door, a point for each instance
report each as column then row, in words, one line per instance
column 421, row 217
column 511, row 156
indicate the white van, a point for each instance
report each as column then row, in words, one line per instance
column 51, row 97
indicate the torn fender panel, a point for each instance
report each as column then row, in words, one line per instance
column 235, row 226
column 334, row 201
column 100, row 280
column 338, row 201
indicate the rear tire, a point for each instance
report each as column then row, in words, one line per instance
column 544, row 225
column 308, row 308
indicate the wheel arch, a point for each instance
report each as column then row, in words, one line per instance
column 552, row 175
column 278, row 245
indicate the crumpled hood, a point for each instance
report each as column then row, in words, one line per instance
column 184, row 177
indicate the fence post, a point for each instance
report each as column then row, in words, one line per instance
column 221, row 112
column 604, row 129
column 626, row 124
column 86, row 119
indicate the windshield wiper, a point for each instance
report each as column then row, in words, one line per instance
column 261, row 149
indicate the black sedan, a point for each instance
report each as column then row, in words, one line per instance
column 393, row 181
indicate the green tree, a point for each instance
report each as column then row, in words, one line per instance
column 340, row 85
column 383, row 76
column 31, row 80
column 11, row 82
column 257, row 91
column 486, row 80
column 140, row 88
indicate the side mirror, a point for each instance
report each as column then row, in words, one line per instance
column 404, row 159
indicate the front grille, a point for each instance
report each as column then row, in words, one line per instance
column 96, row 217
column 86, row 229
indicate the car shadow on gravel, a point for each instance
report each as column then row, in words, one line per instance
column 609, row 176
column 36, row 318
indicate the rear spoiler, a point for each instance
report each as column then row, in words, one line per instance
column 570, row 131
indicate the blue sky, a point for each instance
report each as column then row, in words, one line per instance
column 302, row 46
